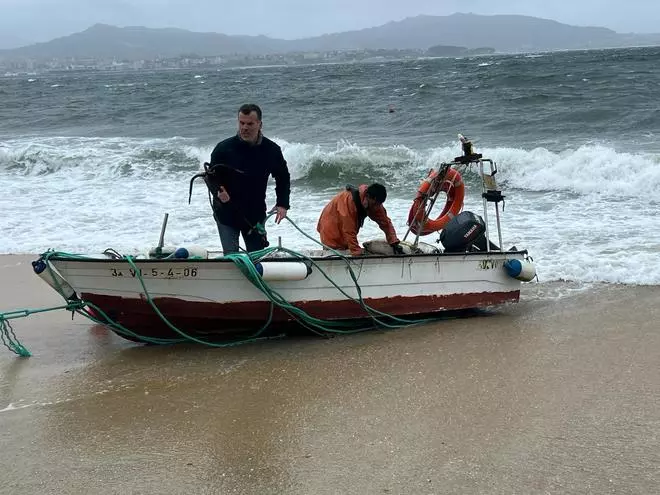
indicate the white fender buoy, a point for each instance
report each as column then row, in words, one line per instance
column 53, row 278
column 523, row 270
column 283, row 270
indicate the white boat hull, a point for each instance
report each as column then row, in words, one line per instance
column 215, row 296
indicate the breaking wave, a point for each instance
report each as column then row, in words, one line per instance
column 586, row 170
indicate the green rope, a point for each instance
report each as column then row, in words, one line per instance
column 7, row 334
column 400, row 322
column 107, row 321
column 186, row 336
column 246, row 263
column 9, row 339
column 127, row 332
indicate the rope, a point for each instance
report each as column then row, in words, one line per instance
column 246, row 263
column 7, row 334
column 373, row 313
column 9, row 339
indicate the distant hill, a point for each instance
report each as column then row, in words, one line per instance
column 504, row 33
column 135, row 43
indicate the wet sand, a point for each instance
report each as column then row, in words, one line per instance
column 558, row 394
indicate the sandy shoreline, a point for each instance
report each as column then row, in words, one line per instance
column 557, row 394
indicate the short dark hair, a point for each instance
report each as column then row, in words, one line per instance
column 377, row 192
column 248, row 108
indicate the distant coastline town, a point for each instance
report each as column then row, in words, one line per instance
column 35, row 65
column 104, row 47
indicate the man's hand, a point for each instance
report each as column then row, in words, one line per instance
column 280, row 213
column 223, row 195
column 396, row 247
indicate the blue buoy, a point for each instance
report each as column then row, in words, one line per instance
column 513, row 267
column 181, row 253
column 520, row 269
column 39, row 266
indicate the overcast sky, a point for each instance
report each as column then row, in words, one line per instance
column 42, row 20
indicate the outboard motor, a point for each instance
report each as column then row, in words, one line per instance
column 465, row 232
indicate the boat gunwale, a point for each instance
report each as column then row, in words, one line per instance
column 222, row 259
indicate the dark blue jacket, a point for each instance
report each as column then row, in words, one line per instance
column 247, row 190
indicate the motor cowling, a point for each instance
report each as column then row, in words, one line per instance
column 463, row 233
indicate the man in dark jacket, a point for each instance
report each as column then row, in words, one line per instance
column 239, row 204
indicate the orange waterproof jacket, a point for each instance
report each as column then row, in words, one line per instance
column 339, row 223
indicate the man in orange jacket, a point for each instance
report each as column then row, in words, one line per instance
column 342, row 217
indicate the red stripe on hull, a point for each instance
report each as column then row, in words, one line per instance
column 222, row 319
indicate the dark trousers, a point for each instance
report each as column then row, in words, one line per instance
column 254, row 241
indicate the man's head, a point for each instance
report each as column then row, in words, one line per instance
column 249, row 122
column 376, row 194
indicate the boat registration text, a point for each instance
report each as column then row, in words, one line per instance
column 188, row 272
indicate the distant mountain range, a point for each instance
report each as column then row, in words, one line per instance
column 505, row 33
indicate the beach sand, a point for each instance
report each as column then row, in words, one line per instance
column 557, row 394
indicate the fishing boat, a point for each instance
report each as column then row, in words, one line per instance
column 191, row 292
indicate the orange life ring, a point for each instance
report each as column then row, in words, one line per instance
column 452, row 184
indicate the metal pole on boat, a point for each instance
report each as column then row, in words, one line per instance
column 428, row 209
column 161, row 241
column 483, row 195
column 421, row 227
column 426, row 215
column 493, row 171
column 493, row 195
column 499, row 228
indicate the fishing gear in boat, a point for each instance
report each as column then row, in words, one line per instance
column 214, row 176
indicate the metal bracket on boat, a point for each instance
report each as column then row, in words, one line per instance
column 112, row 254
column 491, row 193
column 493, row 196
